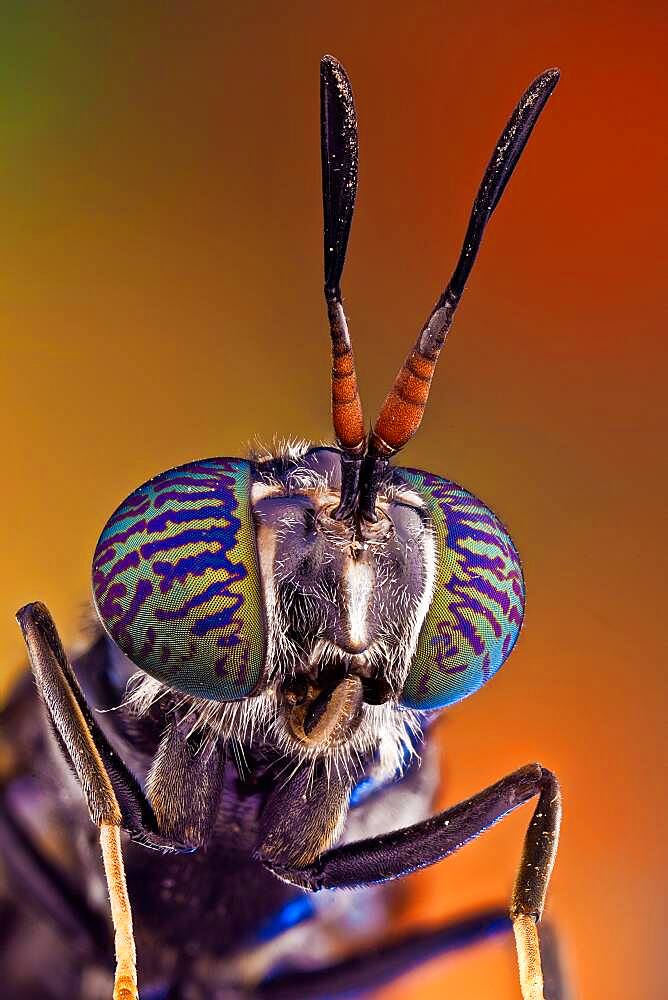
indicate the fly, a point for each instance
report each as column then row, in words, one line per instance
column 278, row 631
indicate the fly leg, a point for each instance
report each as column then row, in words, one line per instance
column 393, row 855
column 113, row 796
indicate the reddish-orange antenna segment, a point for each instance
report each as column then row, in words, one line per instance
column 346, row 403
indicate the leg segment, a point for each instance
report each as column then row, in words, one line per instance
column 72, row 723
column 184, row 786
column 395, row 854
column 111, row 790
column 125, row 984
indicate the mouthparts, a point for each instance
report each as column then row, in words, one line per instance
column 327, row 717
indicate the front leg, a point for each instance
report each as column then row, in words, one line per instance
column 395, row 854
column 93, row 760
column 184, row 787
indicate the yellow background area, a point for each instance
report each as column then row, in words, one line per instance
column 161, row 301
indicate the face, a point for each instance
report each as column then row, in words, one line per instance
column 345, row 598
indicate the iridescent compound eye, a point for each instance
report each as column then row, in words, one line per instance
column 476, row 611
column 176, row 580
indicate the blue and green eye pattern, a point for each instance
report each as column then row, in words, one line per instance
column 176, row 580
column 478, row 605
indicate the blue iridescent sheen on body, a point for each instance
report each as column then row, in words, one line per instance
column 295, row 912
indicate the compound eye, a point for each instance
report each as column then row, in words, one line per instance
column 478, row 598
column 176, row 580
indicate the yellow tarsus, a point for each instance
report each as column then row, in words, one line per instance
column 125, row 980
column 528, row 957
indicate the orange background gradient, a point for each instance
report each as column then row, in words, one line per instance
column 161, row 301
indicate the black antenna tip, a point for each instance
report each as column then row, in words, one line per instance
column 330, row 67
column 547, row 81
column 338, row 139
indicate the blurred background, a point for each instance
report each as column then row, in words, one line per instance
column 161, row 301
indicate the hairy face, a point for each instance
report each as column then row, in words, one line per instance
column 345, row 600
